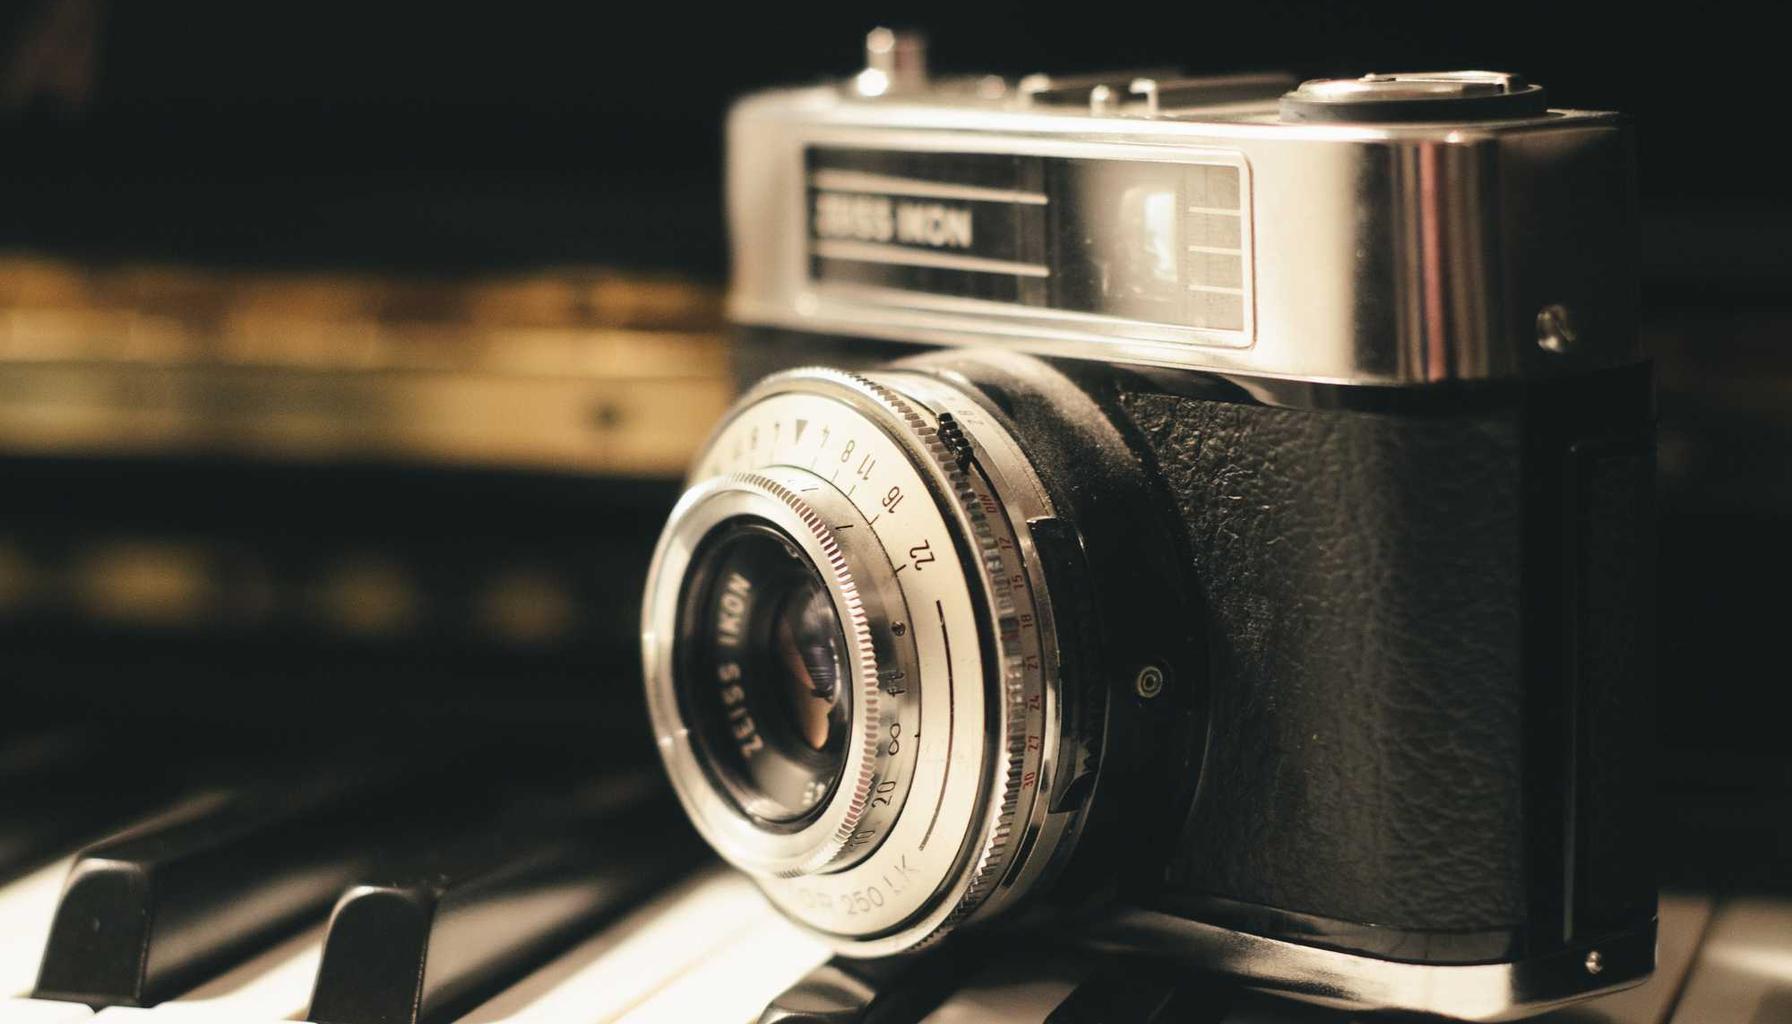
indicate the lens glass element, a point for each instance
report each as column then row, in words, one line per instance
column 763, row 673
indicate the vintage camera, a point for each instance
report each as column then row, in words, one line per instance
column 1230, row 538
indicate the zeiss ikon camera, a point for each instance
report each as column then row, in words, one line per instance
column 1222, row 529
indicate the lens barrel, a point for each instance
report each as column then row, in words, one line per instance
column 851, row 660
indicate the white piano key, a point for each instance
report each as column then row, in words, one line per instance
column 1744, row 967
column 27, row 908
column 274, row 986
column 736, row 979
column 1013, row 991
column 42, row 1011
column 612, row 974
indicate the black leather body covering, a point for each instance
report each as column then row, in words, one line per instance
column 1428, row 664
column 1363, row 582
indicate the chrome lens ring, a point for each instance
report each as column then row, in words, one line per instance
column 814, row 524
column 946, row 496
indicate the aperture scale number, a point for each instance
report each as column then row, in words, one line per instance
column 786, row 446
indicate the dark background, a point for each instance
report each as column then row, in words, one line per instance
column 448, row 137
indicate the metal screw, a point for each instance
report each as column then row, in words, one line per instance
column 1150, row 682
column 899, row 627
column 1595, row 962
column 1555, row 328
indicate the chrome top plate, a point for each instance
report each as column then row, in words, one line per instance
column 1388, row 253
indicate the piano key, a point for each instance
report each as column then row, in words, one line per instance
column 1021, row 989
column 156, row 909
column 602, row 979
column 737, row 980
column 1743, row 971
column 42, row 1011
column 424, row 945
column 27, row 908
column 277, row 984
column 272, row 986
column 893, row 990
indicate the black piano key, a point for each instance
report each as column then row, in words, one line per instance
column 893, row 990
column 56, row 821
column 155, row 909
column 65, row 785
column 424, row 944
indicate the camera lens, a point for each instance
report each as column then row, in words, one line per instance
column 850, row 657
column 764, row 677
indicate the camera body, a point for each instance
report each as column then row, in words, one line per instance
column 1236, row 505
